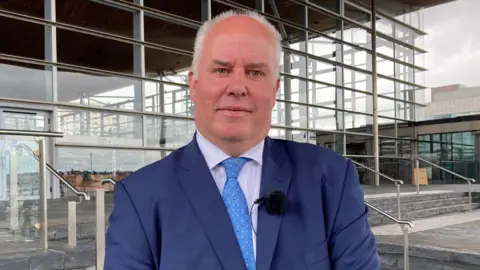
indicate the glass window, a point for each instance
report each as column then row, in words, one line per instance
column 94, row 52
column 99, row 127
column 108, row 19
column 168, row 133
column 99, row 90
column 17, row 37
column 25, row 81
column 171, row 34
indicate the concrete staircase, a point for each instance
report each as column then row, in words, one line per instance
column 444, row 236
column 425, row 205
column 429, row 258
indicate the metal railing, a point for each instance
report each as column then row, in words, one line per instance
column 16, row 132
column 108, row 180
column 57, row 174
column 396, row 182
column 403, row 225
column 469, row 180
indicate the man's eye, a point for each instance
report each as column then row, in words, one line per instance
column 256, row 73
column 220, row 70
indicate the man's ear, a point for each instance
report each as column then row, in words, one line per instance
column 192, row 83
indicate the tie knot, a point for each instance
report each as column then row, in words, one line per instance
column 234, row 165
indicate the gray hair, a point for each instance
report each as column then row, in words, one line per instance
column 208, row 25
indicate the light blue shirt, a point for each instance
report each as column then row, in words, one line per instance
column 249, row 178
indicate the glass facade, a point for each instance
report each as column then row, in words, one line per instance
column 113, row 75
column 454, row 151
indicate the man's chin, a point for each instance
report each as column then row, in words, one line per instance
column 233, row 134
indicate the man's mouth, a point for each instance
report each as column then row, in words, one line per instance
column 234, row 109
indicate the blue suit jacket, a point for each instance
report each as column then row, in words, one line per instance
column 170, row 215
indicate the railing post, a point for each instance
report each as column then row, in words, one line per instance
column 470, row 195
column 399, row 208
column 405, row 248
column 72, row 223
column 43, row 190
column 13, row 191
column 100, row 207
column 417, row 175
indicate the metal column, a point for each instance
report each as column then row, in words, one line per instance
column 375, row 92
column 51, row 81
column 43, row 190
column 139, row 70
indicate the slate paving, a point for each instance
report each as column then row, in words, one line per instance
column 462, row 237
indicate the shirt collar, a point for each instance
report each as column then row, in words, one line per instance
column 214, row 155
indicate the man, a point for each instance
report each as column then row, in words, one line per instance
column 196, row 208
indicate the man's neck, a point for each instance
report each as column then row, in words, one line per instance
column 233, row 147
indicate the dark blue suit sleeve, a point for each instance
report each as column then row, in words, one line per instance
column 126, row 243
column 353, row 245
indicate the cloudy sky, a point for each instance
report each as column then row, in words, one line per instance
column 453, row 43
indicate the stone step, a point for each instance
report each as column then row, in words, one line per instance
column 428, row 258
column 390, row 262
column 418, row 205
column 376, row 220
column 380, row 201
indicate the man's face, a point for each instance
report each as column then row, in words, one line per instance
column 236, row 85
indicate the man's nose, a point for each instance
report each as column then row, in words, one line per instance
column 238, row 83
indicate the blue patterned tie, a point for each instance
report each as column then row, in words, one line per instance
column 238, row 209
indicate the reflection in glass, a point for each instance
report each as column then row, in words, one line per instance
column 23, row 120
column 172, row 97
column 357, row 80
column 99, row 90
column 169, row 132
column 357, row 58
column 18, row 80
column 322, row 118
column 292, row 89
column 103, row 160
column 321, row 71
column 19, row 189
column 453, row 151
column 93, row 127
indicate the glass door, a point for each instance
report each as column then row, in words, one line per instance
column 19, row 172
column 26, row 164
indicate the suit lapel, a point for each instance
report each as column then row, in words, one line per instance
column 200, row 188
column 276, row 175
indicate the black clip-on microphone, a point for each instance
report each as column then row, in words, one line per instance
column 275, row 204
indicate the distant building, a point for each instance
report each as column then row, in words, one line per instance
column 451, row 101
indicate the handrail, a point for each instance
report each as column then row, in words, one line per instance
column 30, row 133
column 57, row 174
column 404, row 228
column 107, row 180
column 469, row 180
column 396, row 220
column 446, row 170
column 395, row 181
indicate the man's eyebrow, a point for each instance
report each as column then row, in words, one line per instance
column 256, row 65
column 253, row 65
column 221, row 63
